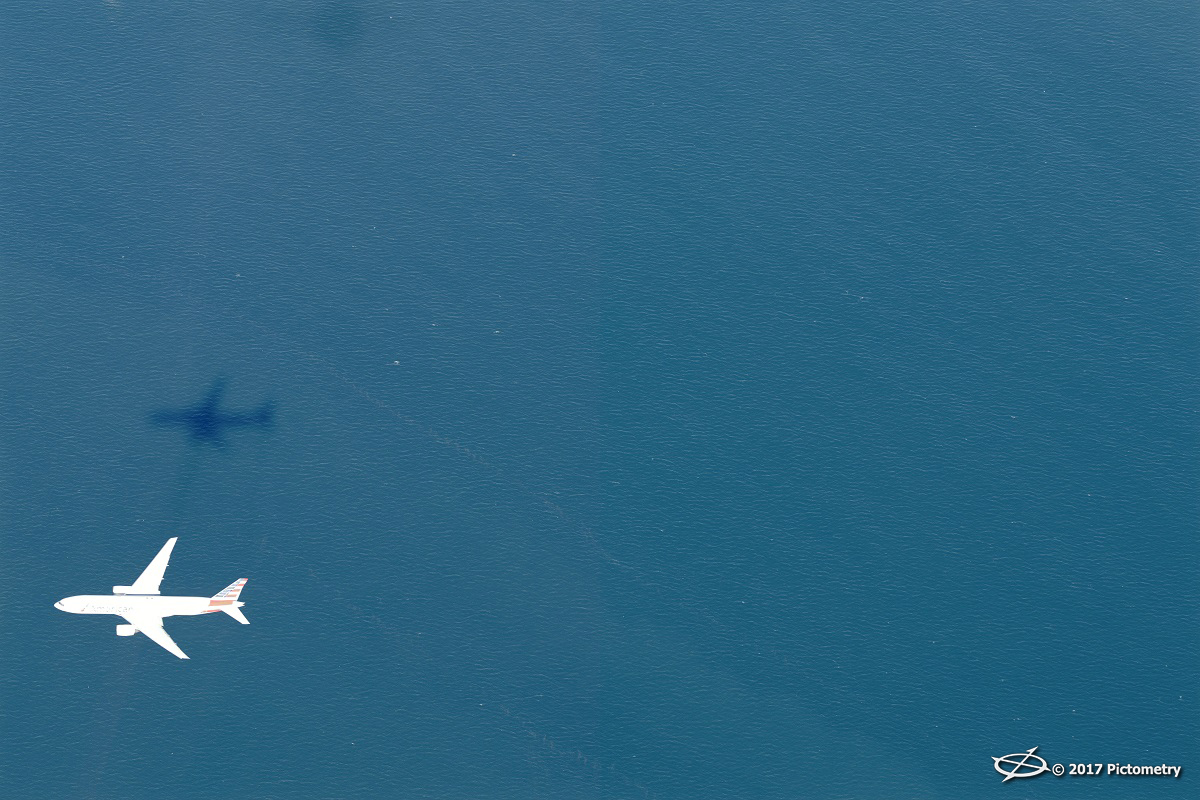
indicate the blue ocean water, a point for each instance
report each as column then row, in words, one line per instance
column 714, row 400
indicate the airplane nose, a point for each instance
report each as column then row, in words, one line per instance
column 59, row 605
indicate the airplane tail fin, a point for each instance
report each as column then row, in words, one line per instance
column 227, row 600
column 265, row 416
column 229, row 593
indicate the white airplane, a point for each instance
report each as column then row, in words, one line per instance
column 144, row 608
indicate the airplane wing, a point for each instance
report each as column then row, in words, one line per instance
column 152, row 575
column 152, row 627
column 213, row 398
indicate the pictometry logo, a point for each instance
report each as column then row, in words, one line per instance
column 1029, row 765
column 1020, row 765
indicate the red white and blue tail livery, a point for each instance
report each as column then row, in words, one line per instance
column 227, row 600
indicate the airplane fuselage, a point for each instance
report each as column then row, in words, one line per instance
column 158, row 605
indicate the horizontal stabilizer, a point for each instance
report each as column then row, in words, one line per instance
column 236, row 613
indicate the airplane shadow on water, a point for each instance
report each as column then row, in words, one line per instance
column 207, row 422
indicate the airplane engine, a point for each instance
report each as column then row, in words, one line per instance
column 126, row 630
